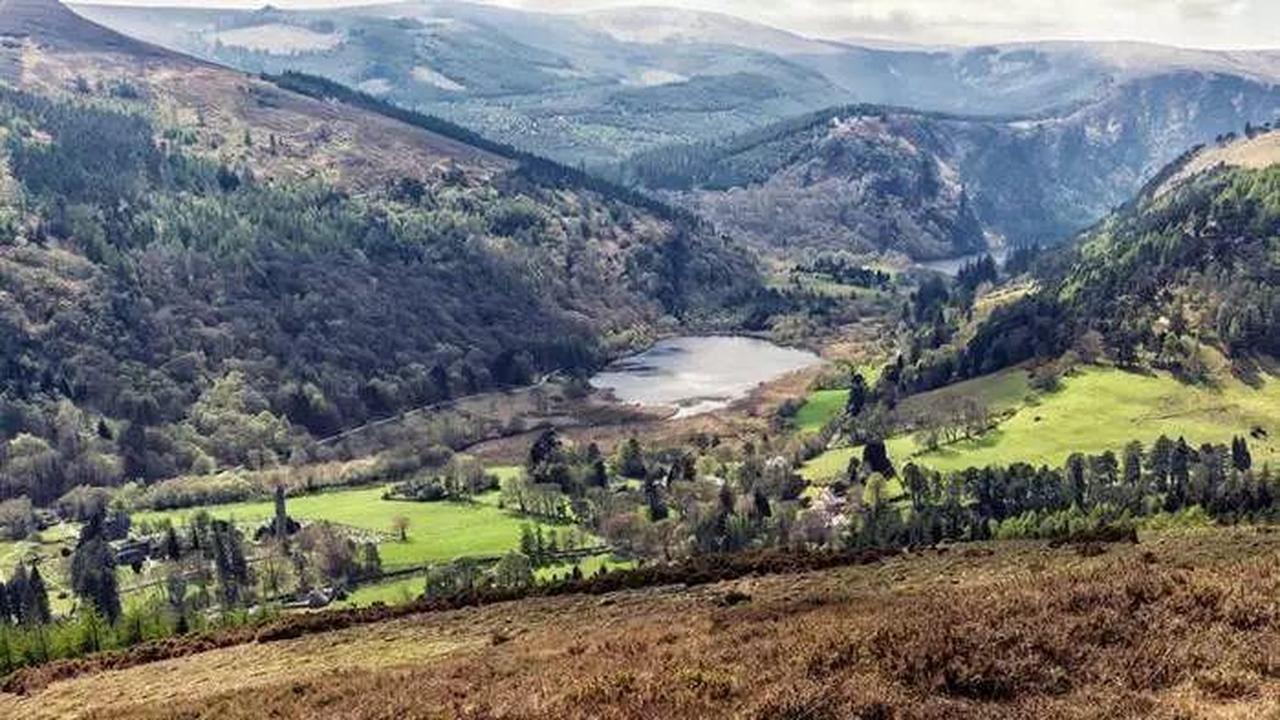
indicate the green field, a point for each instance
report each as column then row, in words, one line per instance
column 1102, row 409
column 1096, row 409
column 589, row 566
column 819, row 408
column 829, row 465
column 46, row 544
column 504, row 472
column 392, row 592
column 438, row 532
column 1000, row 392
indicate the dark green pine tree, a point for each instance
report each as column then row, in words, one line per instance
column 36, row 602
column 857, row 396
column 653, row 498
column 172, row 547
column 1241, row 458
column 93, row 571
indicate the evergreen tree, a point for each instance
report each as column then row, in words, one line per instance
column 172, row 547
column 1132, row 474
column 19, row 582
column 876, row 457
column 857, row 396
column 1077, row 483
column 93, row 571
column 598, row 475
column 36, row 603
column 1160, row 462
column 1179, row 476
column 761, row 504
column 1241, row 458
column 653, row 498
column 631, row 460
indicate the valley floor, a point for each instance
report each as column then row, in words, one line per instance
column 1183, row 624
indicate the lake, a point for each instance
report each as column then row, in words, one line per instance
column 951, row 266
column 699, row 374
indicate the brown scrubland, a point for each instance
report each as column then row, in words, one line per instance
column 1180, row 625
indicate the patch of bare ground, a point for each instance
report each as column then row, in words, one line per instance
column 1179, row 626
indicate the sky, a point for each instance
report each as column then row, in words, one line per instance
column 1190, row 23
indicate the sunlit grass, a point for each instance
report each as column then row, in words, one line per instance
column 437, row 532
column 1095, row 410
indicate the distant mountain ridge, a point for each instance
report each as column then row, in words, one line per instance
column 59, row 27
column 598, row 87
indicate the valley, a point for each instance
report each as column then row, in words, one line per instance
column 440, row 359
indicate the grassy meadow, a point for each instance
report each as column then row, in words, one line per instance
column 1096, row 409
column 820, row 406
column 438, row 532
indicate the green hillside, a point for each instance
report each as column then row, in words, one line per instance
column 179, row 294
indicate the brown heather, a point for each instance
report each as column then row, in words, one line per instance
column 1180, row 626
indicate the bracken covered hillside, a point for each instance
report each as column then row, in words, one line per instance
column 1181, row 625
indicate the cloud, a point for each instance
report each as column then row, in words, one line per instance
column 1196, row 23
column 1210, row 23
column 1201, row 10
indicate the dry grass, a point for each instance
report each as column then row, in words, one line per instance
column 349, row 148
column 1253, row 154
column 1181, row 626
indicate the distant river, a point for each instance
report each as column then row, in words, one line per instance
column 699, row 374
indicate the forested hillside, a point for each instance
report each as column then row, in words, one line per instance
column 867, row 178
column 857, row 179
column 186, row 285
column 1195, row 263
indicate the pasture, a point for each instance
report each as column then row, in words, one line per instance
column 1101, row 409
column 820, row 406
column 437, row 532
column 1096, row 409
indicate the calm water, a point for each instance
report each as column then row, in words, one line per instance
column 951, row 266
column 699, row 374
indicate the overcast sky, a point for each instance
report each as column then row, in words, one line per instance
column 1193, row 23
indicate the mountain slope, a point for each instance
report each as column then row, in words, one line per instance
column 854, row 177
column 987, row 632
column 1193, row 260
column 199, row 268
column 558, row 85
